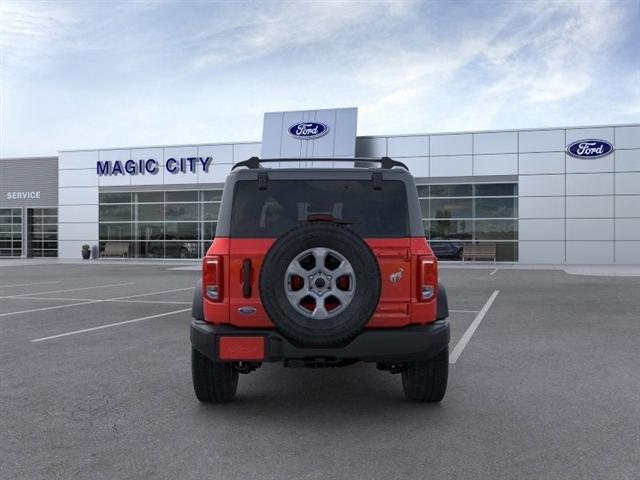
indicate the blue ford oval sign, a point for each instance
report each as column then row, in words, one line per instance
column 308, row 130
column 590, row 148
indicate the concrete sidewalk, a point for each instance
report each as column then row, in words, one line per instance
column 591, row 270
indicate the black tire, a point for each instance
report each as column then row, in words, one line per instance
column 427, row 381
column 213, row 382
column 333, row 330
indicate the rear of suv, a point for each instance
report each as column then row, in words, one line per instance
column 320, row 267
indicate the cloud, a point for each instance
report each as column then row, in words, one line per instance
column 30, row 30
column 531, row 57
column 78, row 74
column 299, row 28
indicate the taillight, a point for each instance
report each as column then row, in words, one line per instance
column 427, row 278
column 212, row 278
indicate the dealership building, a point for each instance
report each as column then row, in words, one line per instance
column 567, row 195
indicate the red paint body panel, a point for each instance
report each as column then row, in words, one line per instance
column 254, row 249
column 398, row 304
column 394, row 258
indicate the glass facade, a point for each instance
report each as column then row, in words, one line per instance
column 42, row 229
column 456, row 215
column 173, row 224
column 10, row 232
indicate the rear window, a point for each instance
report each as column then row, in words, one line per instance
column 287, row 203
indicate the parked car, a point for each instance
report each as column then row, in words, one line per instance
column 172, row 248
column 320, row 268
column 447, row 248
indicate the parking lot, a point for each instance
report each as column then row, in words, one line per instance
column 95, row 383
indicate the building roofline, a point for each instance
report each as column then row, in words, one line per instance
column 206, row 144
column 467, row 132
column 40, row 157
column 419, row 134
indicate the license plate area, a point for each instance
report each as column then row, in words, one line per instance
column 240, row 347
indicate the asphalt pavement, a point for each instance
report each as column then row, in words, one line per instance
column 95, row 383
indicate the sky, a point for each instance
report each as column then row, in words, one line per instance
column 96, row 74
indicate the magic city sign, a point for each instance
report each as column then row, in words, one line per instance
column 589, row 148
column 151, row 166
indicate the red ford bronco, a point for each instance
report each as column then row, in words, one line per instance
column 320, row 267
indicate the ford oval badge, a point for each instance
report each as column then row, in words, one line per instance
column 247, row 310
column 589, row 148
column 308, row 130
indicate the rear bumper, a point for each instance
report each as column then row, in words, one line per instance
column 395, row 345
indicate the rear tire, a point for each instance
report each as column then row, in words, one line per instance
column 427, row 381
column 213, row 382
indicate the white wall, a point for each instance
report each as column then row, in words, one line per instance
column 78, row 182
column 78, row 202
column 570, row 210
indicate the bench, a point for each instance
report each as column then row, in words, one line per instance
column 484, row 251
column 115, row 249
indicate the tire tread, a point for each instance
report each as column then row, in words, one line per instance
column 213, row 382
column 426, row 381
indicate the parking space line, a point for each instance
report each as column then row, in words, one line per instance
column 67, row 299
column 151, row 301
column 457, row 351
column 494, row 271
column 28, row 284
column 153, row 293
column 71, row 289
column 100, row 327
column 42, row 309
column 56, row 307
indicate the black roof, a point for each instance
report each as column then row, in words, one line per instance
column 386, row 163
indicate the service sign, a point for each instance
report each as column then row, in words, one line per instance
column 308, row 130
column 589, row 149
column 23, row 195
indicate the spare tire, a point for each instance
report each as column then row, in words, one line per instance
column 320, row 284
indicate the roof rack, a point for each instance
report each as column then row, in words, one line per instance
column 385, row 162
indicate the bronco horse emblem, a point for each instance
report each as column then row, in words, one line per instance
column 396, row 276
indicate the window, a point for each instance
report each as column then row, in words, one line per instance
column 10, row 232
column 450, row 208
column 160, row 224
column 286, row 203
column 496, row 207
column 451, row 190
column 115, row 198
column 43, row 232
column 459, row 214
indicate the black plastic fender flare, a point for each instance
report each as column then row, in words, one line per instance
column 197, row 309
column 443, row 303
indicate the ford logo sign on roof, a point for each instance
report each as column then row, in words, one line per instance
column 308, row 130
column 590, row 148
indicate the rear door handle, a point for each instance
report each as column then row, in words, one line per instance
column 246, row 278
